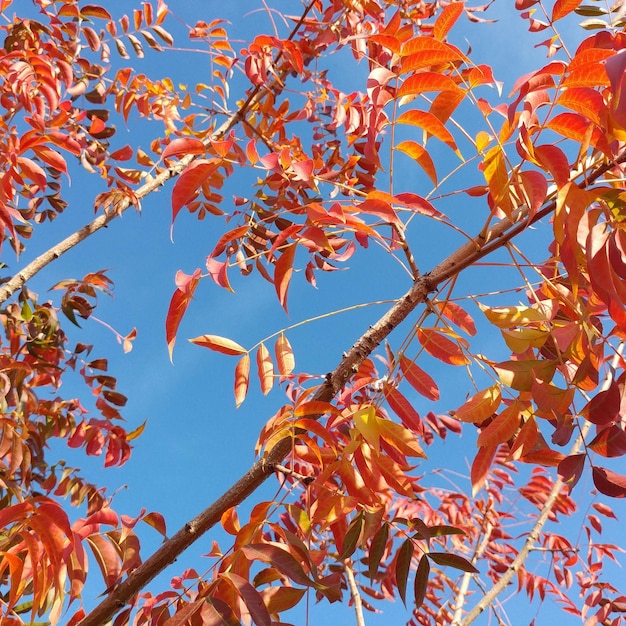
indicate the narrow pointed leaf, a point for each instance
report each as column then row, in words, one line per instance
column 377, row 549
column 403, row 566
column 452, row 560
column 242, row 379
column 284, row 356
column 419, row 379
column 420, row 584
column 186, row 286
column 283, row 272
column 219, row 344
column 265, row 367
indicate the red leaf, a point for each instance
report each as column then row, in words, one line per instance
column 609, row 483
column 251, row 598
column 279, row 558
column 403, row 409
column 603, row 509
column 282, row 273
column 419, row 379
column 442, row 348
column 421, row 581
column 403, row 565
column 571, row 469
column 610, row 442
column 186, row 285
column 457, row 315
column 242, row 379
column 604, row 407
column 188, row 183
column 452, row 560
column 182, row 147
column 480, row 467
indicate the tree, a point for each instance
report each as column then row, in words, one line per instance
column 532, row 182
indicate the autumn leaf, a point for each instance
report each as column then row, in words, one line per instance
column 419, row 379
column 185, row 288
column 265, row 368
column 219, row 344
column 282, row 273
column 443, row 348
column 242, row 379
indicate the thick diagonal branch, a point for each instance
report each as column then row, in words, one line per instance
column 465, row 256
column 468, row 254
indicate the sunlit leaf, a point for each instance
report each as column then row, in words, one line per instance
column 242, row 379
column 419, row 379
column 185, row 288
column 219, row 344
column 265, row 368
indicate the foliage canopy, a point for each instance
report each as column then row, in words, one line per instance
column 349, row 126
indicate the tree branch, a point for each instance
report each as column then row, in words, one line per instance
column 468, row 254
column 101, row 221
column 354, row 592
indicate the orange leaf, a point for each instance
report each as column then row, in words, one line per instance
column 421, row 156
column 423, row 52
column 430, row 124
column 219, row 344
column 242, row 379
column 562, row 8
column 448, row 16
column 503, row 427
column 282, row 273
column 182, row 147
column 480, row 406
column 284, row 356
column 497, row 177
column 419, row 379
column 265, row 367
column 442, row 348
column 186, row 285
column 480, row 467
column 424, row 82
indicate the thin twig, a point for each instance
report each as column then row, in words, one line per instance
column 354, row 593
column 109, row 214
column 529, row 545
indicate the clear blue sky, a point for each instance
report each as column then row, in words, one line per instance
column 196, row 444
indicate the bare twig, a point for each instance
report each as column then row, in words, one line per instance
column 354, row 593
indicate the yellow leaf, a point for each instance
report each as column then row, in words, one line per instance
column 366, row 423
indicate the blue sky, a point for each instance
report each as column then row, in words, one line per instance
column 196, row 444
